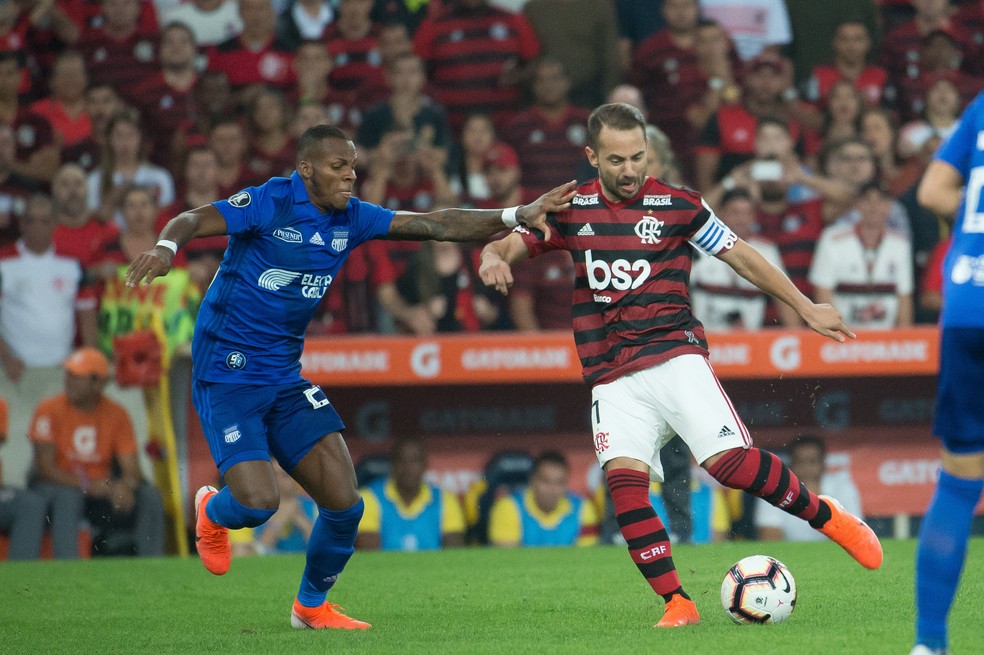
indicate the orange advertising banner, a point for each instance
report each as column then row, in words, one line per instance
column 507, row 357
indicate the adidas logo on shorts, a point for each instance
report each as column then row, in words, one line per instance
column 586, row 231
column 726, row 432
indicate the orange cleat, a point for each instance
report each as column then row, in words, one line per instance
column 325, row 617
column 852, row 534
column 679, row 612
column 211, row 539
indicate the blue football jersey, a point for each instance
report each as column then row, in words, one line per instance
column 963, row 272
column 282, row 256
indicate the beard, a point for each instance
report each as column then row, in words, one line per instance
column 612, row 184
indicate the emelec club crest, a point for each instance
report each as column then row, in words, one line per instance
column 649, row 229
column 339, row 240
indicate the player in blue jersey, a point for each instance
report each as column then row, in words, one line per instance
column 288, row 239
column 959, row 421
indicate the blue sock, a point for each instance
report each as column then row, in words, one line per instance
column 224, row 509
column 331, row 545
column 941, row 553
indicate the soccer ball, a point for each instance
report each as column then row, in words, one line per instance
column 758, row 589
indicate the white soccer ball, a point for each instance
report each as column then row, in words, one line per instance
column 758, row 589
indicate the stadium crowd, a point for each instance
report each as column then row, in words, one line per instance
column 807, row 126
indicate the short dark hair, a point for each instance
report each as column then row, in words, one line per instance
column 775, row 121
column 313, row 136
column 737, row 193
column 808, row 440
column 617, row 116
column 550, row 457
column 407, row 442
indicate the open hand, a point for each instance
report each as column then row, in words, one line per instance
column 149, row 265
column 826, row 320
column 534, row 215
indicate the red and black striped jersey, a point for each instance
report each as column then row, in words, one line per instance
column 467, row 50
column 631, row 303
column 354, row 61
column 549, row 149
column 122, row 63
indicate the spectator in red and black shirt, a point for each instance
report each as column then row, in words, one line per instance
column 37, row 153
column 728, row 139
column 353, row 42
column 120, row 51
column 272, row 151
column 312, row 64
column 102, row 102
column 256, row 56
column 228, row 141
column 166, row 99
column 901, row 52
column 793, row 227
column 852, row 45
column 213, row 103
column 199, row 186
column 15, row 189
column 476, row 55
column 551, row 135
column 941, row 54
column 970, row 16
column 665, row 68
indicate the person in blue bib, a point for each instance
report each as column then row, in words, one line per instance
column 404, row 512
column 287, row 240
column 951, row 187
column 546, row 513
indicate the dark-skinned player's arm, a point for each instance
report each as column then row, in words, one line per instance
column 204, row 221
column 822, row 318
column 497, row 260
column 476, row 224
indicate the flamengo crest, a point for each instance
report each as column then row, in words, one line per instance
column 648, row 229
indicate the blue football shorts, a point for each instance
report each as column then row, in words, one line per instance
column 245, row 422
column 959, row 421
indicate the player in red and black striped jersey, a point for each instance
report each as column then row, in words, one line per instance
column 632, row 239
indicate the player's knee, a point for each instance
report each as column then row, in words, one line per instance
column 259, row 499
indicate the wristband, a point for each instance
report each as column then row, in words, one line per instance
column 509, row 216
column 170, row 245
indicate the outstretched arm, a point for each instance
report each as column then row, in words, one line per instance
column 497, row 259
column 475, row 224
column 752, row 266
column 204, row 221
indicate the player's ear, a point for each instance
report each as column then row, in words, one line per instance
column 304, row 169
column 591, row 155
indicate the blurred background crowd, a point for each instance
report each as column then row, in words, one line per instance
column 806, row 126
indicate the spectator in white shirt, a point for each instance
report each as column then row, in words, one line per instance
column 865, row 269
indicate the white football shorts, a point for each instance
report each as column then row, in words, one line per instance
column 635, row 415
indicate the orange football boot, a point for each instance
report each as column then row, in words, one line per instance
column 324, row 617
column 211, row 539
column 679, row 612
column 852, row 534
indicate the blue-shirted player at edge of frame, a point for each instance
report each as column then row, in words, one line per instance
column 288, row 239
column 959, row 421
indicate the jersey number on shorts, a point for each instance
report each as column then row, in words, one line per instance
column 316, row 397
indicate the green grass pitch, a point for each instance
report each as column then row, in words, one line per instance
column 589, row 600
